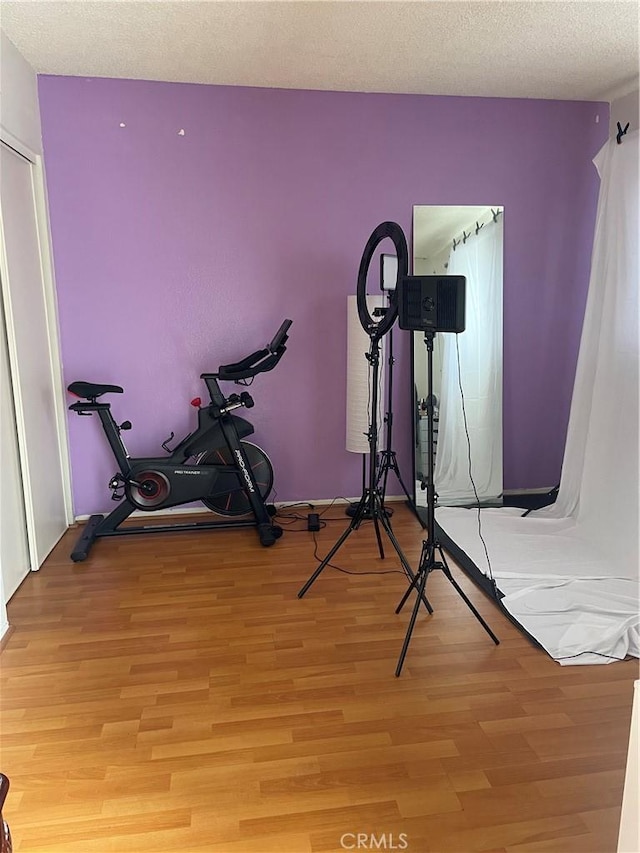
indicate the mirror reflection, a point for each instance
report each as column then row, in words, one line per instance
column 467, row 367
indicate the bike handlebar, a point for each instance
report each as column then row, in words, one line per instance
column 260, row 361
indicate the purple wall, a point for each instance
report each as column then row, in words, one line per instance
column 176, row 253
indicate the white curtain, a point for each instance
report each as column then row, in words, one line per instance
column 479, row 259
column 599, row 484
column 570, row 572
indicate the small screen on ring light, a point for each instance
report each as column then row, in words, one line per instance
column 388, row 272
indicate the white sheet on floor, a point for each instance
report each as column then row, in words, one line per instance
column 558, row 583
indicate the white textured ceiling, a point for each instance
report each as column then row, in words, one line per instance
column 576, row 50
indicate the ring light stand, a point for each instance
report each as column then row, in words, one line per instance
column 388, row 460
column 370, row 506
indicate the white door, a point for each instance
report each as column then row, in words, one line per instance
column 14, row 546
column 31, row 354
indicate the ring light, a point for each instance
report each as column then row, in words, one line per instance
column 375, row 328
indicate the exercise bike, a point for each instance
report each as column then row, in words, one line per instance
column 214, row 464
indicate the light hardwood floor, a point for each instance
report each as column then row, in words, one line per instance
column 172, row 693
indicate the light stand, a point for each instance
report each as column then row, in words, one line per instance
column 387, row 460
column 370, row 506
column 428, row 562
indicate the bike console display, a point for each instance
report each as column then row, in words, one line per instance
column 280, row 336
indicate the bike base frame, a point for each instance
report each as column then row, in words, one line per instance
column 99, row 526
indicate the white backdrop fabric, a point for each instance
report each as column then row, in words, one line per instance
column 479, row 259
column 570, row 572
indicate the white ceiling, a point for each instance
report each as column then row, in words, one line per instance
column 576, row 50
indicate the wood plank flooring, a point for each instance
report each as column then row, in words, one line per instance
column 172, row 693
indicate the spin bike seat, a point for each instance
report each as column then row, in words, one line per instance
column 91, row 391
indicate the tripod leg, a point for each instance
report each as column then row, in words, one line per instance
column 378, row 536
column 390, row 461
column 327, row 559
column 392, row 537
column 410, row 589
column 380, row 466
column 415, row 580
column 421, row 588
column 385, row 477
column 387, row 462
column 460, row 591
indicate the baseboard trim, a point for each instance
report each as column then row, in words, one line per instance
column 196, row 510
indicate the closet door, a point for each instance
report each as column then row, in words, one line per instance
column 14, row 546
column 31, row 357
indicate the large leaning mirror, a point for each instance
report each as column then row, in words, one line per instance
column 467, row 367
